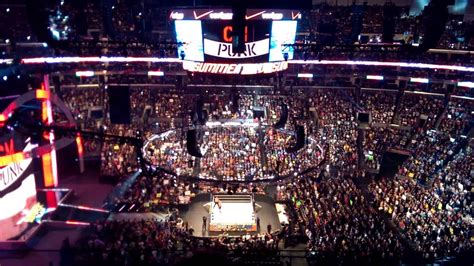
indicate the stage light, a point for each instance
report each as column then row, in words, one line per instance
column 373, row 77
column 5, row 78
column 419, row 80
column 305, row 75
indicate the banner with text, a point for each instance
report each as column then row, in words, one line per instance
column 235, row 69
column 224, row 50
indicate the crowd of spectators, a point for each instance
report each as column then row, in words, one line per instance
column 338, row 127
column 170, row 109
column 413, row 106
column 170, row 242
column 234, row 153
column 457, row 118
column 430, row 151
column 436, row 219
column 231, row 153
column 432, row 216
column 160, row 191
column 378, row 140
column 380, row 104
column 154, row 193
column 339, row 222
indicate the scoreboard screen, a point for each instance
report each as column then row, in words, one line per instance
column 207, row 35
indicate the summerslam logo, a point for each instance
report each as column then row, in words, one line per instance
column 11, row 174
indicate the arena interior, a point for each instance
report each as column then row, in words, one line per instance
column 156, row 132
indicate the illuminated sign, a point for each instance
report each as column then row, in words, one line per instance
column 156, row 73
column 466, row 84
column 84, row 73
column 226, row 14
column 221, row 15
column 176, row 15
column 273, row 16
column 227, row 34
column 236, row 69
column 305, row 75
column 6, row 61
column 374, row 77
column 224, row 50
column 419, row 80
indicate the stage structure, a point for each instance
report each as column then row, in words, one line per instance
column 28, row 170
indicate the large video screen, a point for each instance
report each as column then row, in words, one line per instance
column 189, row 32
column 17, row 188
column 283, row 32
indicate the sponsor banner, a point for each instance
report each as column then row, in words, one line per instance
column 226, row 14
column 235, row 69
column 224, row 50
